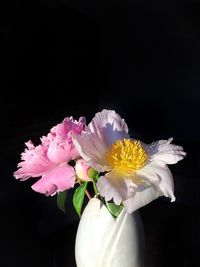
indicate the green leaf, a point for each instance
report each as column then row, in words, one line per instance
column 61, row 199
column 78, row 197
column 114, row 209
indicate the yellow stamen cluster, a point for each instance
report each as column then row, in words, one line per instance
column 126, row 156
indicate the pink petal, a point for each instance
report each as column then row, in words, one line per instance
column 34, row 162
column 57, row 180
column 58, row 153
column 61, row 147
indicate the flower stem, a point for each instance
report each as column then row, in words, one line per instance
column 95, row 188
column 88, row 194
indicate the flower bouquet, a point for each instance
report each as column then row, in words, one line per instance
column 125, row 174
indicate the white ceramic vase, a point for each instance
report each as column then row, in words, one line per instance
column 103, row 241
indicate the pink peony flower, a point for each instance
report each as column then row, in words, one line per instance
column 49, row 159
column 82, row 168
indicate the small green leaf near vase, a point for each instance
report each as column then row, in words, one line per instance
column 79, row 197
column 114, row 209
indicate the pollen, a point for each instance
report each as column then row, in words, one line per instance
column 126, row 156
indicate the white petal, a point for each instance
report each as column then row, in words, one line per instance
column 112, row 187
column 142, row 197
column 159, row 175
column 92, row 150
column 109, row 124
column 93, row 143
column 166, row 152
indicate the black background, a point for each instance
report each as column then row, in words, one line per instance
column 63, row 58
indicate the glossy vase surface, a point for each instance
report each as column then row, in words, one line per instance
column 103, row 241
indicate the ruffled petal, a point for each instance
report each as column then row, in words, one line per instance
column 157, row 181
column 93, row 143
column 59, row 140
column 112, row 187
column 159, row 175
column 143, row 195
column 34, row 162
column 57, row 180
column 166, row 152
column 108, row 125
column 59, row 153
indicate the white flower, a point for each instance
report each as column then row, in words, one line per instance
column 134, row 173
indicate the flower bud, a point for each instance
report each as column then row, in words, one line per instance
column 81, row 169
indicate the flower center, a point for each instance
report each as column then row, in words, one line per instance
column 126, row 156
